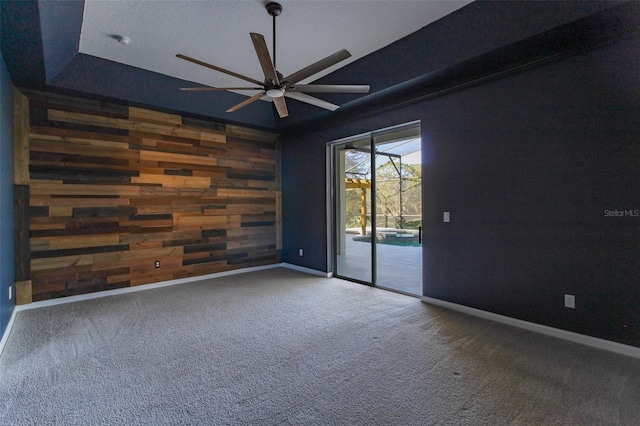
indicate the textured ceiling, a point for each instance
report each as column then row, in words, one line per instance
column 217, row 32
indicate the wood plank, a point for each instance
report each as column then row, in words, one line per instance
column 72, row 135
column 74, row 241
column 141, row 238
column 152, row 209
column 20, row 138
column 21, row 227
column 212, row 139
column 169, row 181
column 24, row 293
column 47, row 226
column 158, row 191
column 216, row 175
column 60, row 211
column 147, row 225
column 69, row 281
column 240, row 209
column 118, row 123
column 138, row 272
column 102, row 165
column 140, row 114
column 46, row 135
column 77, row 202
column 258, row 242
column 75, row 103
column 251, row 158
column 183, row 222
column 262, row 184
column 61, row 262
column 133, row 257
column 151, row 279
column 208, row 125
column 250, row 232
column 245, row 165
column 40, row 145
column 167, row 265
column 278, row 213
column 146, row 245
column 245, row 193
column 103, row 212
column 176, row 147
column 169, row 157
column 251, row 134
column 58, row 188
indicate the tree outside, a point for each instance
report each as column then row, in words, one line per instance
column 398, row 204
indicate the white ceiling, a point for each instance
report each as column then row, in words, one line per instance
column 217, row 32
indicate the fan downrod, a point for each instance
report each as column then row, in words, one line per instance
column 274, row 9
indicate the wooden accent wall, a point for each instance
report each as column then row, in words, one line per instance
column 22, row 250
column 113, row 189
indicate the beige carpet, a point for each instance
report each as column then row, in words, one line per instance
column 282, row 347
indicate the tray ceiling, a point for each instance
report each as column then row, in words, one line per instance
column 218, row 32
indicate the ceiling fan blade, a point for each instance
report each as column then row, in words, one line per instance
column 312, row 100
column 330, row 88
column 246, row 102
column 265, row 60
column 222, row 70
column 317, row 67
column 215, row 89
column 281, row 106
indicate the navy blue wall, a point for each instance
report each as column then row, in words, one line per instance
column 468, row 33
column 111, row 80
column 60, row 42
column 7, row 266
column 527, row 165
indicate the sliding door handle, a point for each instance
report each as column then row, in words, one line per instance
column 419, row 234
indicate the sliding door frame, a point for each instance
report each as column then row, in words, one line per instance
column 333, row 205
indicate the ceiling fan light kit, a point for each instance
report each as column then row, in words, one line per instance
column 275, row 85
column 275, row 92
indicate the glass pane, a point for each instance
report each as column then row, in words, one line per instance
column 353, row 212
column 398, row 215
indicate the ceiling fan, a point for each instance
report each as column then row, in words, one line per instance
column 275, row 85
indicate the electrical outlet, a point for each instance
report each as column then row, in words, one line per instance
column 569, row 301
column 300, row 252
column 446, row 217
column 157, row 264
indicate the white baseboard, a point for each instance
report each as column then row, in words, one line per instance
column 594, row 342
column 307, row 270
column 124, row 290
column 7, row 331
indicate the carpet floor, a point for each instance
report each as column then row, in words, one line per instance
column 282, row 347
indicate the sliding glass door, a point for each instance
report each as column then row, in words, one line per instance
column 353, row 246
column 377, row 209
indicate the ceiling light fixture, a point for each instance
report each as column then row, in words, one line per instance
column 275, row 92
column 122, row 39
